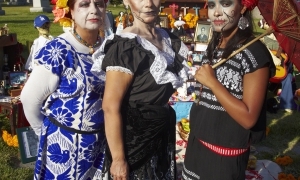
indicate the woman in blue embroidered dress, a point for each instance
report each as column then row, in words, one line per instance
column 143, row 65
column 230, row 112
column 63, row 100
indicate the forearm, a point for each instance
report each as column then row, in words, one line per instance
column 235, row 107
column 114, row 134
column 38, row 87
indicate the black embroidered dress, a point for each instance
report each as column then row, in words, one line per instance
column 148, row 121
column 210, row 122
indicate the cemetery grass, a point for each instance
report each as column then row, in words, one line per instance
column 19, row 20
column 283, row 138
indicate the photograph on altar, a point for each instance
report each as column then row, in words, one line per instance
column 17, row 78
column 197, row 57
column 163, row 21
column 203, row 32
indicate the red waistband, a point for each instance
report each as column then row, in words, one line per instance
column 224, row 151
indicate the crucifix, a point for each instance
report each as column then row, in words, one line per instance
column 184, row 10
column 196, row 10
column 173, row 7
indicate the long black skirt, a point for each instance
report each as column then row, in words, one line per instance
column 149, row 138
column 202, row 163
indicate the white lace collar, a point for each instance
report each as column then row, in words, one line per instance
column 162, row 59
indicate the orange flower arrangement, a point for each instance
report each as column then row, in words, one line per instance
column 283, row 176
column 9, row 139
column 284, row 161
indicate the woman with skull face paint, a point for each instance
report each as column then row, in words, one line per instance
column 143, row 65
column 230, row 113
column 42, row 24
column 62, row 99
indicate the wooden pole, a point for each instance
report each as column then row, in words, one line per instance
column 268, row 31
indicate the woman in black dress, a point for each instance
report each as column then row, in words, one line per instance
column 144, row 65
column 230, row 114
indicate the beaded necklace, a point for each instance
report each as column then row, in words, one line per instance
column 76, row 35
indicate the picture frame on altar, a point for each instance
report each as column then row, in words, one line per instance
column 28, row 144
column 18, row 78
column 203, row 32
column 164, row 21
column 197, row 57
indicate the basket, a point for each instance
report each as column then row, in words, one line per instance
column 183, row 134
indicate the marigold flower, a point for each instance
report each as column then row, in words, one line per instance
column 290, row 177
column 281, row 175
column 267, row 130
column 61, row 3
column 279, row 160
column 65, row 22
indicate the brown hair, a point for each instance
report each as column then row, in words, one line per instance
column 71, row 4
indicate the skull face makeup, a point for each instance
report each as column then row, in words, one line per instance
column 89, row 14
column 224, row 14
column 144, row 10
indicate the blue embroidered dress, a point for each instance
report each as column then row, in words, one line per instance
column 76, row 103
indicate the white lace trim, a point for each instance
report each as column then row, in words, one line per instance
column 98, row 58
column 161, row 61
column 119, row 68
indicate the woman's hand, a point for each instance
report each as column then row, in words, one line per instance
column 119, row 170
column 205, row 75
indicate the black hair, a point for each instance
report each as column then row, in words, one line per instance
column 239, row 37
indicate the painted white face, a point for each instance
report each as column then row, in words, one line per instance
column 224, row 14
column 89, row 14
column 145, row 10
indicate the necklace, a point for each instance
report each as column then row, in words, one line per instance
column 76, row 35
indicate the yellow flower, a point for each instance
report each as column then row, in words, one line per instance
column 65, row 22
column 4, row 135
column 10, row 142
column 61, row 3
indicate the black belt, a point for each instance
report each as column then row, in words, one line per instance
column 56, row 123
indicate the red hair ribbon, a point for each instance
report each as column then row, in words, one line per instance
column 250, row 4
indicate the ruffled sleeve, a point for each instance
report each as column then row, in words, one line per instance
column 56, row 56
column 119, row 54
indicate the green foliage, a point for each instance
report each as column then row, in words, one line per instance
column 283, row 139
column 4, row 123
column 116, row 2
column 9, row 164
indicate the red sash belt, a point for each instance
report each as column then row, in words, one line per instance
column 224, row 151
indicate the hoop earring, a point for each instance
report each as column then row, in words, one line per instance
column 243, row 23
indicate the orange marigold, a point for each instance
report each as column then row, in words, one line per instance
column 279, row 160
column 281, row 175
column 267, row 130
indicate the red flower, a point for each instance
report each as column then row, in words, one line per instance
column 53, row 2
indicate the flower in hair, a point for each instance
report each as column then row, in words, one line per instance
column 250, row 4
column 61, row 9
